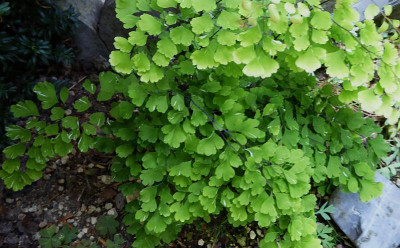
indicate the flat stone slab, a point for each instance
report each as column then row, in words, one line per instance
column 373, row 224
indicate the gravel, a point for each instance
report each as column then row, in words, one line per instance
column 108, row 206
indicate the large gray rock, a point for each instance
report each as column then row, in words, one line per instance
column 109, row 25
column 90, row 45
column 89, row 10
column 362, row 5
column 373, row 224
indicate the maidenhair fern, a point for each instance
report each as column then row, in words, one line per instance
column 217, row 110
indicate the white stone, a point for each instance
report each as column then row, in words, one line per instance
column 83, row 208
column 106, row 179
column 91, row 209
column 108, row 206
column 80, row 170
column 60, row 188
column 68, row 112
column 85, row 230
column 112, row 212
column 80, row 235
column 200, row 242
column 93, row 220
column 91, row 165
column 43, row 224
column 372, row 224
column 9, row 200
column 36, row 236
column 64, row 160
column 32, row 209
column 252, row 234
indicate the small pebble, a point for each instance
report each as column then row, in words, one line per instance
column 85, row 230
column 106, row 179
column 108, row 206
column 91, row 237
column 93, row 220
column 200, row 242
column 60, row 206
column 68, row 111
column 80, row 235
column 80, row 170
column 252, row 234
column 112, row 212
column 36, row 236
column 91, row 209
column 259, row 232
column 21, row 216
column 43, row 224
column 46, row 177
column 64, row 160
column 60, row 188
column 98, row 209
column 33, row 209
column 70, row 220
column 83, row 208
column 61, row 181
column 9, row 200
column 91, row 165
column 79, row 213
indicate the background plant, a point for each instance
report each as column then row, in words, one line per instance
column 34, row 41
column 217, row 110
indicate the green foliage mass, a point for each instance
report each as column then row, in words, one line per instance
column 219, row 111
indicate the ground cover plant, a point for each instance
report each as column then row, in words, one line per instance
column 218, row 108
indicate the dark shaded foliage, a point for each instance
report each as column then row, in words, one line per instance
column 35, row 40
